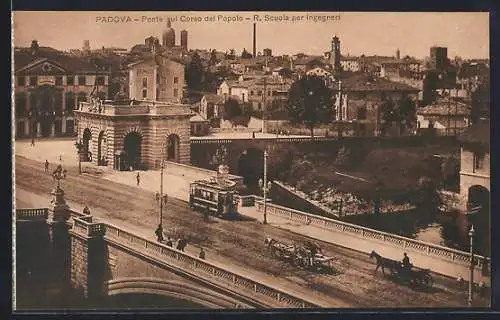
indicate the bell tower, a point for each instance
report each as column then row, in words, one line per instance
column 335, row 55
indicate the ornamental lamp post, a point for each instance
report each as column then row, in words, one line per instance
column 472, row 232
column 265, row 185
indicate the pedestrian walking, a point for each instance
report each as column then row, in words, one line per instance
column 46, row 166
column 60, row 157
column 202, row 254
column 32, row 141
column 181, row 244
column 253, row 135
column 159, row 233
column 138, row 177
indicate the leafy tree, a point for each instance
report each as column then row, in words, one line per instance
column 245, row 54
column 194, row 72
column 310, row 102
column 427, row 198
column 232, row 109
column 388, row 114
column 213, row 57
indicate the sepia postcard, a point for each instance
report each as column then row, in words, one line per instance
column 251, row 160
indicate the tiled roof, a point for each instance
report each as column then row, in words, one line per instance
column 213, row 98
column 362, row 82
column 68, row 62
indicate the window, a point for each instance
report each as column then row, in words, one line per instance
column 269, row 93
column 478, row 161
column 243, row 97
column 259, row 93
column 176, row 92
column 176, row 80
column 82, row 97
column 33, row 81
column 82, row 81
column 157, row 78
column 259, row 105
column 157, row 93
column 144, row 93
column 251, row 93
column 100, row 80
column 59, row 81
column 144, row 82
column 21, row 81
column 70, row 80
column 361, row 114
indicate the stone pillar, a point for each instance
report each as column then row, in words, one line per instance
column 57, row 220
column 53, row 129
column 63, row 125
column 27, row 128
column 89, row 259
column 38, row 129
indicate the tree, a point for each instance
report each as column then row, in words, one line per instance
column 388, row 114
column 406, row 112
column 245, row 54
column 427, row 198
column 232, row 109
column 310, row 102
column 194, row 72
column 480, row 104
column 213, row 57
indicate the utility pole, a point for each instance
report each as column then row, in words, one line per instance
column 264, row 129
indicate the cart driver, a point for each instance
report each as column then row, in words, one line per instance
column 406, row 265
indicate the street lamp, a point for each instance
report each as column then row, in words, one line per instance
column 59, row 174
column 471, row 278
column 265, row 185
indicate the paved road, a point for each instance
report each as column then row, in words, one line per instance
column 238, row 244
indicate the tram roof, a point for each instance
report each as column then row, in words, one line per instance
column 211, row 184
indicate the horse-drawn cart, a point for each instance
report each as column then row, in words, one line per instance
column 410, row 275
column 308, row 256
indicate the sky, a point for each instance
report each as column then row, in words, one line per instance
column 465, row 34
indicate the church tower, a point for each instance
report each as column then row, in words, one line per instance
column 168, row 36
column 335, row 55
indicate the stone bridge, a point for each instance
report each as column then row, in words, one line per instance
column 106, row 260
column 203, row 149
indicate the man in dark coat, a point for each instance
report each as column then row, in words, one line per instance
column 159, row 233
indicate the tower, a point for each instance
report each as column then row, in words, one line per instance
column 184, row 40
column 254, row 40
column 168, row 36
column 86, row 45
column 398, row 54
column 335, row 55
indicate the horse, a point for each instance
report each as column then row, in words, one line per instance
column 384, row 263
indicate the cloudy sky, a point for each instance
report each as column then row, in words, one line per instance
column 465, row 34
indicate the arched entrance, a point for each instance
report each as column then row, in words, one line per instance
column 132, row 147
column 46, row 109
column 87, row 137
column 173, row 146
column 251, row 166
column 101, row 149
column 478, row 199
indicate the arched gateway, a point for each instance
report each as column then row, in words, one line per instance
column 137, row 134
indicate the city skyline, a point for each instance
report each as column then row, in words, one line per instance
column 464, row 34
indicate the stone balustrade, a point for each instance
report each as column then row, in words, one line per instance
column 85, row 226
column 202, row 268
column 32, row 214
column 433, row 250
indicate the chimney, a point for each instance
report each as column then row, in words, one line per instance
column 254, row 39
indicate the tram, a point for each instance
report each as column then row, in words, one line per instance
column 209, row 195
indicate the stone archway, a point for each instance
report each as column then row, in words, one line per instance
column 87, row 138
column 102, row 148
column 251, row 166
column 173, row 147
column 478, row 199
column 45, row 106
column 132, row 144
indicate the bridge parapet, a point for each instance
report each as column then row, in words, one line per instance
column 482, row 264
column 83, row 225
column 32, row 214
column 205, row 270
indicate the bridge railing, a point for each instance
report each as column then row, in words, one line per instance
column 32, row 214
column 85, row 226
column 437, row 251
column 201, row 267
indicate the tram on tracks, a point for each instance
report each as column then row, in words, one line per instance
column 212, row 196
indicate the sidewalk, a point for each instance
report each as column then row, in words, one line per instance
column 364, row 245
column 37, row 201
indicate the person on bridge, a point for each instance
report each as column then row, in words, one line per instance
column 169, row 242
column 86, row 211
column 202, row 254
column 159, row 233
column 32, row 141
column 46, row 166
column 138, row 178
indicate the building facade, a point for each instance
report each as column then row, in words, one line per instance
column 48, row 87
column 157, row 78
column 132, row 134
